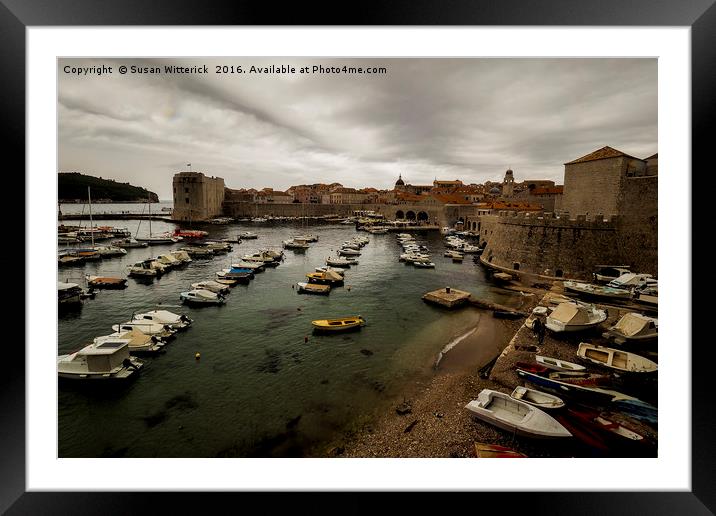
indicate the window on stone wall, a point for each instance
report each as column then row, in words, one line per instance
column 186, row 190
column 187, row 200
column 558, row 273
column 516, row 266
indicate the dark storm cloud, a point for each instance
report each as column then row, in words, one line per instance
column 426, row 118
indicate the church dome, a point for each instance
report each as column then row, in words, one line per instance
column 400, row 182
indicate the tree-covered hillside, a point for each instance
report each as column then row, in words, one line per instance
column 73, row 185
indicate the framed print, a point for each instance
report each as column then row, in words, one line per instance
column 473, row 195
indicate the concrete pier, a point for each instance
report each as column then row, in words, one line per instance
column 447, row 297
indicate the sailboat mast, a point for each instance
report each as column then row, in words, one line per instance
column 149, row 199
column 89, row 199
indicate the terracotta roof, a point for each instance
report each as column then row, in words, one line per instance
column 516, row 206
column 603, row 153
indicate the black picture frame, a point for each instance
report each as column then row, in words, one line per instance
column 699, row 15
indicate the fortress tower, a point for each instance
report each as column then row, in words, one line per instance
column 197, row 197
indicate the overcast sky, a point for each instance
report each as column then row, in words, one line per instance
column 469, row 119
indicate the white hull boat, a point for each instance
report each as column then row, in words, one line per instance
column 107, row 361
column 213, row 286
column 174, row 321
column 516, row 416
column 616, row 359
column 348, row 252
column 633, row 327
column 574, row 316
column 558, row 365
column 201, row 297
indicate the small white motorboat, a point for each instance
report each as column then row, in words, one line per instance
column 254, row 266
column 340, row 262
column 574, row 316
column 109, row 360
column 537, row 398
column 295, row 244
column 599, row 291
column 169, row 261
column 110, row 251
column 558, row 365
column 162, row 331
column 201, row 297
column 181, row 255
column 616, row 358
column 516, row 416
column 348, row 252
column 423, row 265
column 174, row 321
column 142, row 269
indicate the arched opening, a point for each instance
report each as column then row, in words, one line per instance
column 399, row 214
column 422, row 215
column 474, row 226
column 516, row 266
column 410, row 215
column 558, row 273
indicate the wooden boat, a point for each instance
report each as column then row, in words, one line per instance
column 581, row 378
column 633, row 327
column 574, row 316
column 537, row 398
column 495, row 451
column 616, row 359
column 558, row 365
column 339, row 324
column 106, row 282
column 313, row 288
column 501, row 410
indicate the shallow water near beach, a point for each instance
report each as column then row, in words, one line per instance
column 260, row 388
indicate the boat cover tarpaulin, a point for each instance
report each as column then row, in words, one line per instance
column 633, row 324
column 569, row 313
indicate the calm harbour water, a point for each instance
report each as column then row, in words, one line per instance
column 259, row 389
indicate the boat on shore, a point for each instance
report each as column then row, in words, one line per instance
column 503, row 411
column 537, row 398
column 558, row 365
column 574, row 316
column 595, row 395
column 338, row 324
column 616, row 358
column 633, row 327
column 109, row 360
column 312, row 288
column 597, row 291
column 495, row 451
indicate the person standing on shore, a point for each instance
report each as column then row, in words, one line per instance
column 539, row 329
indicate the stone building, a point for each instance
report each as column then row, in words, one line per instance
column 197, row 197
column 592, row 183
column 610, row 215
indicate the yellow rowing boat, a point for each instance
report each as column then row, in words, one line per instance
column 340, row 324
